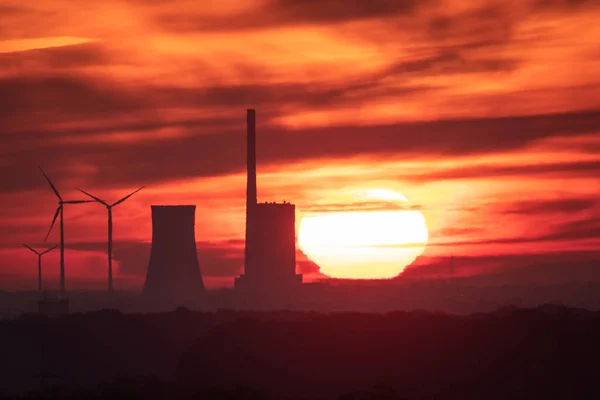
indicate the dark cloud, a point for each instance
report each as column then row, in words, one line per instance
column 32, row 22
column 560, row 206
column 588, row 228
column 215, row 146
column 56, row 58
column 564, row 169
column 211, row 153
column 564, row 5
column 293, row 12
column 71, row 97
column 514, row 269
column 63, row 96
column 582, row 229
column 458, row 231
column 6, row 9
column 359, row 206
column 451, row 62
column 312, row 11
column 491, row 25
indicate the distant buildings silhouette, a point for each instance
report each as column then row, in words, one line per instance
column 270, row 250
column 173, row 277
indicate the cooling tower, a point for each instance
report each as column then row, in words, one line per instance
column 173, row 277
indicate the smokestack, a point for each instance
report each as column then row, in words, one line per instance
column 250, row 184
column 270, row 251
column 251, row 157
column 173, row 277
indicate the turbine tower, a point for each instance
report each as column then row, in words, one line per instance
column 59, row 210
column 40, row 262
column 109, row 207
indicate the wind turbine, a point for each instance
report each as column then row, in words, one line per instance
column 59, row 210
column 109, row 207
column 40, row 262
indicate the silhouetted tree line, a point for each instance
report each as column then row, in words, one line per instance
column 549, row 352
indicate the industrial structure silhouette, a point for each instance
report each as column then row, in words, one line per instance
column 270, row 250
column 39, row 262
column 109, row 207
column 60, row 210
column 173, row 277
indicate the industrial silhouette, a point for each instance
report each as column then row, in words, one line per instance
column 59, row 210
column 40, row 262
column 270, row 251
column 173, row 277
column 109, row 207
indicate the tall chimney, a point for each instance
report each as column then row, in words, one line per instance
column 250, row 185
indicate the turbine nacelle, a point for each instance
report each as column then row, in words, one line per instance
column 59, row 210
column 61, row 202
column 37, row 252
column 109, row 206
column 39, row 261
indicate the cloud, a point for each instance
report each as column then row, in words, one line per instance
column 69, row 57
column 515, row 269
column 62, row 96
column 279, row 13
column 358, row 206
column 203, row 151
column 337, row 10
column 7, row 9
column 451, row 62
column 564, row 5
column 563, row 169
column 555, row 206
column 585, row 228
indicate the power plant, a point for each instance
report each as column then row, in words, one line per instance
column 173, row 277
column 270, row 251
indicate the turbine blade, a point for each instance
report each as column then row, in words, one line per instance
column 78, row 201
column 53, row 221
column 51, row 185
column 93, row 197
column 126, row 197
column 50, row 249
column 30, row 248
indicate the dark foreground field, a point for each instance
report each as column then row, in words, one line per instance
column 545, row 353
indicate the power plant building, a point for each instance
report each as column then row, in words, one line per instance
column 173, row 277
column 270, row 252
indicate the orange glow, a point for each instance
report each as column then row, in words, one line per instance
column 364, row 244
column 453, row 106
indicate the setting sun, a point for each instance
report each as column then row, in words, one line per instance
column 370, row 244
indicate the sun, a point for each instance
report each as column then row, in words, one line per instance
column 377, row 239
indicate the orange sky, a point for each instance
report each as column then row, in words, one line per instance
column 484, row 116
